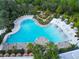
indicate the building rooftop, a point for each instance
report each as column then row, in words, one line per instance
column 70, row 55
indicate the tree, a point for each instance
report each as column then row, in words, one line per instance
column 37, row 52
column 48, row 51
column 72, row 4
column 47, row 12
column 59, row 10
column 51, row 51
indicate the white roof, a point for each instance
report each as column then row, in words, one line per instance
column 70, row 55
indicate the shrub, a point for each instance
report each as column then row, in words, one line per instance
column 72, row 47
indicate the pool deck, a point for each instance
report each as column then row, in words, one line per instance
column 66, row 28
column 68, row 31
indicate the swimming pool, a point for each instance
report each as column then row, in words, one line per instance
column 30, row 31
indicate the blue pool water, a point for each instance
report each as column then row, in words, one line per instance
column 30, row 31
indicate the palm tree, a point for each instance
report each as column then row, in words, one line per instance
column 44, row 52
column 51, row 51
